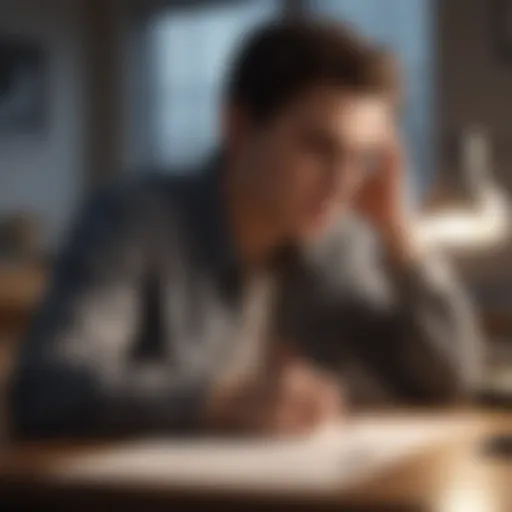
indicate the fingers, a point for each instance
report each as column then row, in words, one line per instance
column 305, row 398
column 295, row 400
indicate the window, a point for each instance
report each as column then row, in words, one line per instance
column 189, row 45
column 190, row 48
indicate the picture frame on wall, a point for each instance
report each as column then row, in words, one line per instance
column 22, row 86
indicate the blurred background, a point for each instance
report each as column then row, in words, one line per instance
column 94, row 88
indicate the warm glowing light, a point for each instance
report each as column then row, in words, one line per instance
column 471, row 491
column 486, row 224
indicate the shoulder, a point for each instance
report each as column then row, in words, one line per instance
column 149, row 197
column 142, row 189
column 349, row 241
column 132, row 207
column 347, row 260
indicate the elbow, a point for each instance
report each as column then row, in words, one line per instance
column 440, row 381
column 26, row 404
column 457, row 370
column 446, row 388
column 47, row 404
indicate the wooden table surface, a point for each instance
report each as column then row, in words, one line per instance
column 456, row 477
column 452, row 477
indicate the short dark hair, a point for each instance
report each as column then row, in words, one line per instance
column 281, row 60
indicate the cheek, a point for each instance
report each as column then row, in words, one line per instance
column 279, row 167
column 351, row 182
column 291, row 178
column 308, row 176
column 270, row 173
column 299, row 180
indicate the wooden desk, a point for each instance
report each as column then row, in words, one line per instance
column 449, row 478
column 21, row 287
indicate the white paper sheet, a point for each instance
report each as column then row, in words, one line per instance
column 332, row 458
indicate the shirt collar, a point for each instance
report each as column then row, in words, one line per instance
column 213, row 222
column 215, row 231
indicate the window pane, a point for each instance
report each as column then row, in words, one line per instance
column 191, row 47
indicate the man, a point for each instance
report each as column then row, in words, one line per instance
column 265, row 293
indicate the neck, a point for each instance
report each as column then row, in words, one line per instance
column 255, row 235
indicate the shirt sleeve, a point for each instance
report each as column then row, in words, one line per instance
column 75, row 375
column 411, row 331
column 440, row 341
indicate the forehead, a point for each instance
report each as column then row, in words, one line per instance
column 353, row 117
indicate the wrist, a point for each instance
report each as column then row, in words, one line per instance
column 234, row 407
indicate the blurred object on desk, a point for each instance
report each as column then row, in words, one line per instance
column 485, row 224
column 331, row 460
column 468, row 210
column 469, row 217
column 20, row 237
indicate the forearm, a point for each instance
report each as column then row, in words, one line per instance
column 77, row 373
column 63, row 399
column 443, row 344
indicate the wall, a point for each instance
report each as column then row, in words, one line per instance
column 475, row 80
column 404, row 26
column 47, row 174
column 44, row 174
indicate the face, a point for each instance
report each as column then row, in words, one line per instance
column 306, row 165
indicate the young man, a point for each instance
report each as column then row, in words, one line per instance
column 247, row 296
